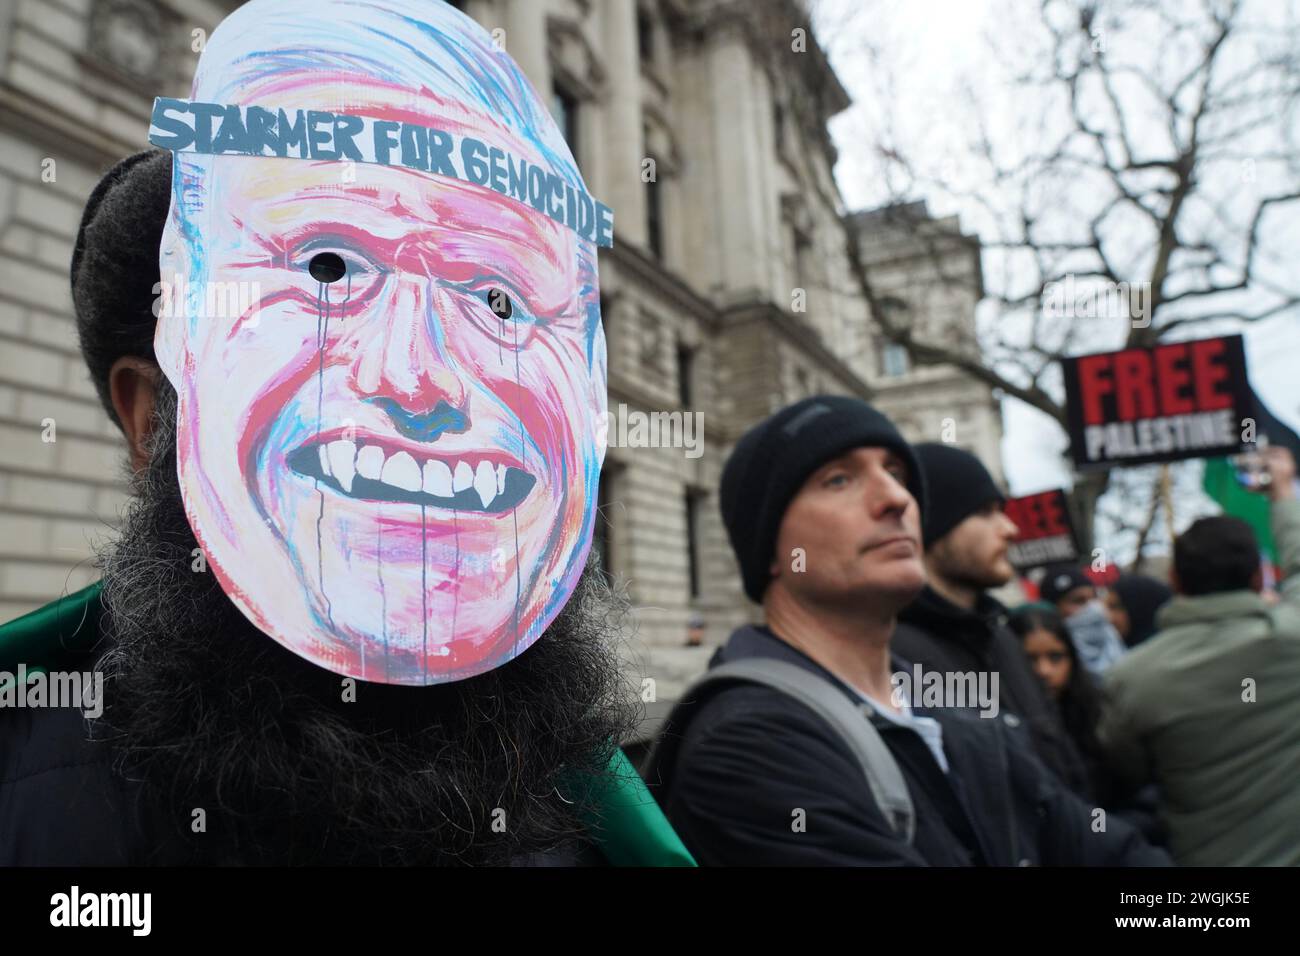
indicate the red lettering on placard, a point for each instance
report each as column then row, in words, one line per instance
column 1172, row 375
column 1053, row 516
column 1134, row 390
column 1015, row 510
column 1037, row 516
column 1173, row 379
column 1094, row 383
column 1211, row 372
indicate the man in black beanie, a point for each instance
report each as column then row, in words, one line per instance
column 956, row 626
column 797, row 749
column 771, row 462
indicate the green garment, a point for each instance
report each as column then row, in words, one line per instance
column 1208, row 709
column 622, row 818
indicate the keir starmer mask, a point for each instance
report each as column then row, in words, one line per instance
column 380, row 312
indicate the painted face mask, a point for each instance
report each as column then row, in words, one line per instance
column 380, row 312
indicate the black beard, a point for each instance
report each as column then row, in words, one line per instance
column 208, row 712
column 965, row 574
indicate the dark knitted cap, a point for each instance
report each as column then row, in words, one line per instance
column 773, row 459
column 115, row 264
column 959, row 485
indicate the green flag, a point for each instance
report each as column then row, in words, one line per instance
column 1220, row 481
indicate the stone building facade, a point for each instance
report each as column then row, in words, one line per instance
column 702, row 123
column 927, row 274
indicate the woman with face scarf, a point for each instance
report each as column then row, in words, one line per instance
column 1054, row 657
column 1074, row 596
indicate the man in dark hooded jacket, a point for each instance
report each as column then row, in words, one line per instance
column 955, row 625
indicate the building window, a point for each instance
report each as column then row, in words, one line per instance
column 654, row 226
column 893, row 360
column 645, row 36
column 564, row 107
column 602, row 534
column 652, row 343
column 693, row 499
column 803, row 248
column 686, row 374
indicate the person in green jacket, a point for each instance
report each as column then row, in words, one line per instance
column 1209, row 708
column 349, row 615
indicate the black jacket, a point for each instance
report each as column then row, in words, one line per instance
column 940, row 636
column 758, row 779
column 64, row 802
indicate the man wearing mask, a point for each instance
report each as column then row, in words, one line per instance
column 348, row 617
column 955, row 625
column 820, row 502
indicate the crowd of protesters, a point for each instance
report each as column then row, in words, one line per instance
column 1127, row 725
column 1137, row 722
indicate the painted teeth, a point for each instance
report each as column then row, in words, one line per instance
column 437, row 479
column 485, row 482
column 462, row 478
column 370, row 462
column 343, row 461
column 342, row 454
column 401, row 471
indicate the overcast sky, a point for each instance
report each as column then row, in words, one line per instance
column 938, row 42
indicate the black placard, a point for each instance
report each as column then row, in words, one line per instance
column 1046, row 531
column 1165, row 403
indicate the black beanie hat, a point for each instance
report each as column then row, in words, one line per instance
column 114, row 269
column 774, row 458
column 959, row 485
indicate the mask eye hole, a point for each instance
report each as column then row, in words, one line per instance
column 499, row 302
column 327, row 267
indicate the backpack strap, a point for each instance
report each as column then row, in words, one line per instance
column 851, row 723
